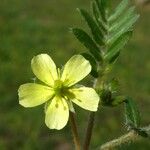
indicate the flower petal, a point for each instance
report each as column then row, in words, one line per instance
column 44, row 68
column 85, row 97
column 75, row 70
column 57, row 113
column 32, row 94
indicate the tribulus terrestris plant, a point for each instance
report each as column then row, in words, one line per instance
column 58, row 88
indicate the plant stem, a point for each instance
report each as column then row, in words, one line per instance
column 90, row 126
column 129, row 137
column 74, row 132
column 89, row 131
column 98, row 83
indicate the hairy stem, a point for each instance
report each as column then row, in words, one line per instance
column 74, row 132
column 131, row 136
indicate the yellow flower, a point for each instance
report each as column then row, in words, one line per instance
column 57, row 90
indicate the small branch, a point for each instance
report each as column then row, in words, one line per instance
column 74, row 132
column 131, row 136
column 89, row 131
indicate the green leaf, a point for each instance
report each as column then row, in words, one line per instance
column 96, row 32
column 86, row 40
column 97, row 17
column 106, row 97
column 115, row 48
column 132, row 114
column 101, row 4
column 113, row 85
column 122, row 29
column 90, row 58
column 129, row 14
column 114, row 58
column 95, row 10
column 119, row 10
column 142, row 132
column 117, row 100
column 145, row 131
column 105, row 4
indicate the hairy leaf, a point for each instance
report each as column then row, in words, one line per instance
column 97, row 17
column 145, row 132
column 113, row 85
column 114, row 58
column 119, row 10
column 122, row 20
column 86, row 40
column 132, row 114
column 117, row 100
column 115, row 48
column 96, row 32
column 101, row 4
column 142, row 132
column 122, row 29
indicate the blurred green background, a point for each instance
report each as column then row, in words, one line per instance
column 30, row 27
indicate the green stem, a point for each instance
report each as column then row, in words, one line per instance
column 74, row 132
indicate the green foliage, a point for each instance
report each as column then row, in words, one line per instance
column 106, row 97
column 145, row 132
column 87, row 41
column 119, row 10
column 132, row 114
column 48, row 32
column 113, row 85
column 109, row 33
column 98, row 18
column 115, row 48
column 109, row 100
column 110, row 95
column 96, row 32
column 142, row 132
column 102, row 5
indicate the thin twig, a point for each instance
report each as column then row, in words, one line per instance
column 74, row 132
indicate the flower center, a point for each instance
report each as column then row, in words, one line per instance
column 59, row 88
